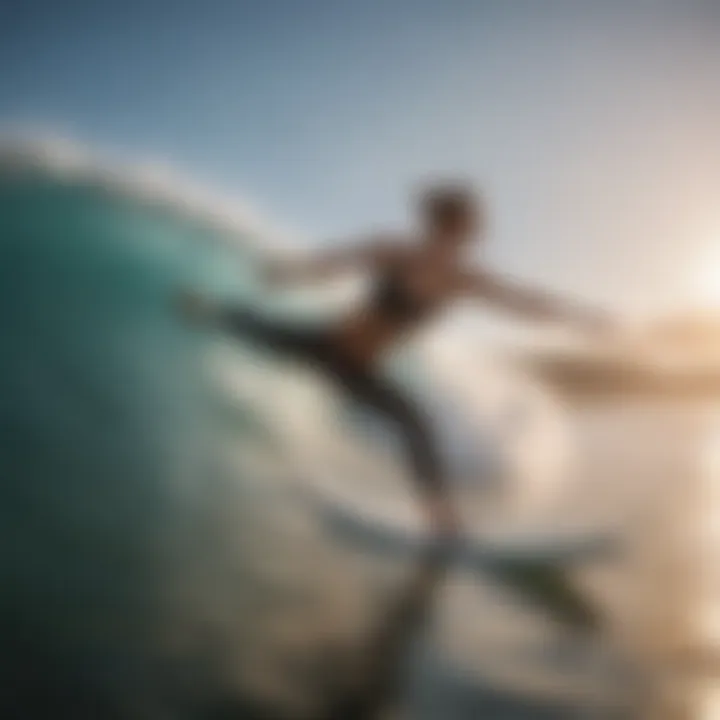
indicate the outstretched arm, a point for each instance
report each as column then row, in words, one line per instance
column 323, row 265
column 527, row 302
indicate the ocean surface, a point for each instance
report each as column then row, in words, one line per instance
column 160, row 555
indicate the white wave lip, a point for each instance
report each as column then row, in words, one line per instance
column 148, row 181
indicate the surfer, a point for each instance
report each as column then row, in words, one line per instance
column 415, row 277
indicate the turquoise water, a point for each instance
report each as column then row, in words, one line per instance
column 102, row 406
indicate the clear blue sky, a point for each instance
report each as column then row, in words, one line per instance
column 593, row 125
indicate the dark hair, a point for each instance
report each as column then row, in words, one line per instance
column 449, row 202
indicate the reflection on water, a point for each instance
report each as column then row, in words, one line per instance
column 662, row 473
column 707, row 607
column 653, row 472
column 378, row 667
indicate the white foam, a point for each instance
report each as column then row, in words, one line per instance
column 147, row 181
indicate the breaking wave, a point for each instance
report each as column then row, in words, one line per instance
column 145, row 464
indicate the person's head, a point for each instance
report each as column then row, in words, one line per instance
column 451, row 213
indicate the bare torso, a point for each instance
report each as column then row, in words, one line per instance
column 412, row 282
column 426, row 276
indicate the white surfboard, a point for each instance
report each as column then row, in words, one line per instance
column 533, row 565
column 397, row 535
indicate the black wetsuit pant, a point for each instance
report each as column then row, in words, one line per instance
column 361, row 384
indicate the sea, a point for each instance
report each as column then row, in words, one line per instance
column 161, row 555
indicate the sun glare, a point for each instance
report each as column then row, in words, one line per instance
column 707, row 279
